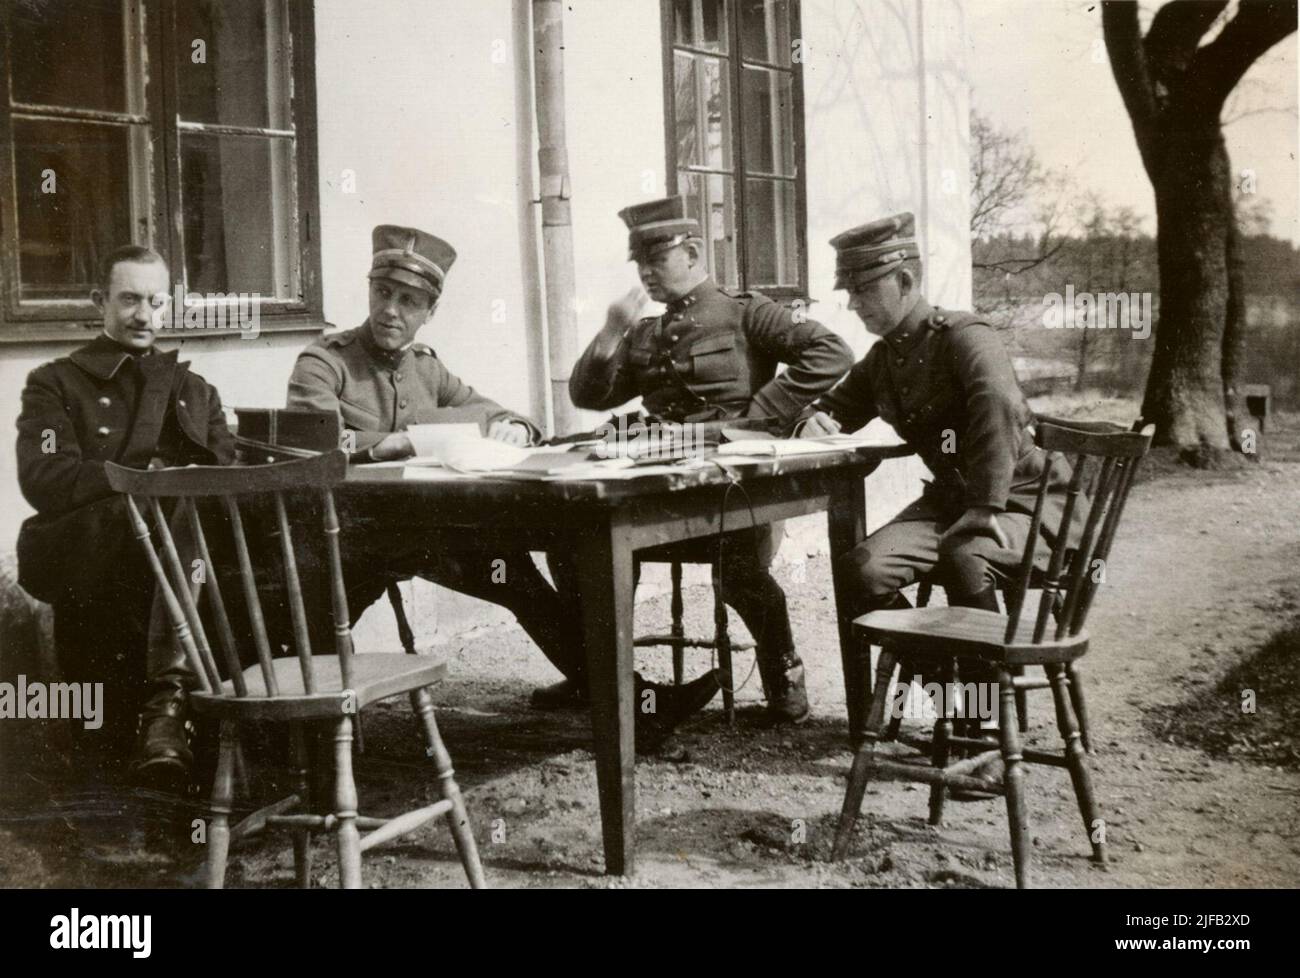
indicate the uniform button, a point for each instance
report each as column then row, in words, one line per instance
column 920, row 359
column 673, row 337
column 180, row 403
column 102, row 432
column 905, row 390
column 397, row 376
column 402, row 403
column 105, row 402
column 900, row 361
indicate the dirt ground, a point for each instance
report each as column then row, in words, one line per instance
column 1195, row 793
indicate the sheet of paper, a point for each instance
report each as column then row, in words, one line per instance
column 432, row 440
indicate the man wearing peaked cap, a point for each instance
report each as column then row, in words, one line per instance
column 945, row 383
column 713, row 355
column 380, row 381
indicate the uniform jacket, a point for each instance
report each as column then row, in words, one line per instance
column 79, row 412
column 377, row 392
column 944, row 382
column 713, row 354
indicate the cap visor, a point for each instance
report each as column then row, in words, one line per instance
column 405, row 278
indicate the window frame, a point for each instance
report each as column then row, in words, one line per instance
column 735, row 64
column 75, row 320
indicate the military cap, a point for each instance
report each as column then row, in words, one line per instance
column 410, row 256
column 658, row 224
column 871, row 251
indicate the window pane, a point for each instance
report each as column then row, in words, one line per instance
column 765, row 30
column 771, row 245
column 711, row 198
column 74, row 194
column 238, row 208
column 701, row 24
column 232, row 62
column 703, row 111
column 768, row 113
column 69, row 54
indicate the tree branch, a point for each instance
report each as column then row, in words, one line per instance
column 1128, row 63
column 1259, row 25
column 1175, row 33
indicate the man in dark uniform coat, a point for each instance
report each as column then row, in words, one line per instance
column 713, row 355
column 114, row 399
column 944, row 382
column 380, row 381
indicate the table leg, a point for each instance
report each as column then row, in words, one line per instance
column 605, row 582
column 846, row 519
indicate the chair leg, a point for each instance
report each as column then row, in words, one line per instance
column 722, row 642
column 1077, row 762
column 302, row 837
column 1080, row 707
column 905, row 677
column 939, row 746
column 678, row 630
column 458, row 817
column 345, row 807
column 223, row 794
column 860, row 772
column 1014, row 776
column 1022, row 703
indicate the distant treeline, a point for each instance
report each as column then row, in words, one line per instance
column 1021, row 284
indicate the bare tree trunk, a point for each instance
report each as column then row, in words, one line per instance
column 1174, row 88
column 1234, row 341
column 1184, row 396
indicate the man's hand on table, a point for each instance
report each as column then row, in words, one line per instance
column 819, row 425
column 511, row 432
column 394, row 446
column 977, row 521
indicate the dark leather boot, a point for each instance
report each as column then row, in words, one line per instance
column 657, row 715
column 783, row 682
column 163, row 755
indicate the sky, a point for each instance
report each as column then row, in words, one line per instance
column 1037, row 67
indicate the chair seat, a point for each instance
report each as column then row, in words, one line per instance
column 374, row 677
column 966, row 632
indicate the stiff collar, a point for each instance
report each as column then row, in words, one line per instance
column 909, row 332
column 386, row 358
column 104, row 356
column 696, row 295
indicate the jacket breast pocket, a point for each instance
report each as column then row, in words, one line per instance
column 714, row 359
column 358, row 417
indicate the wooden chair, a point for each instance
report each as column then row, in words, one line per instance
column 679, row 642
column 944, row 638
column 324, row 690
column 1073, row 676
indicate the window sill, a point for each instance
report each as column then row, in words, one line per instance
column 83, row 332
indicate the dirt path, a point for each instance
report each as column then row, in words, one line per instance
column 1202, row 568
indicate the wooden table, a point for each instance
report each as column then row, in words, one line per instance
column 602, row 522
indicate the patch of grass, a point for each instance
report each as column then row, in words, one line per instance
column 1214, row 720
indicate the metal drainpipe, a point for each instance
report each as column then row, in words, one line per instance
column 557, row 222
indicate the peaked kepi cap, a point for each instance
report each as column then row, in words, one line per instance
column 410, row 256
column 658, row 224
column 871, row 251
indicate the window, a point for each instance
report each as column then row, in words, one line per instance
column 734, row 113
column 186, row 125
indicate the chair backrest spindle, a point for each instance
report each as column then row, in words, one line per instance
column 225, row 634
column 293, row 591
column 182, row 583
column 187, row 486
column 1105, row 459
